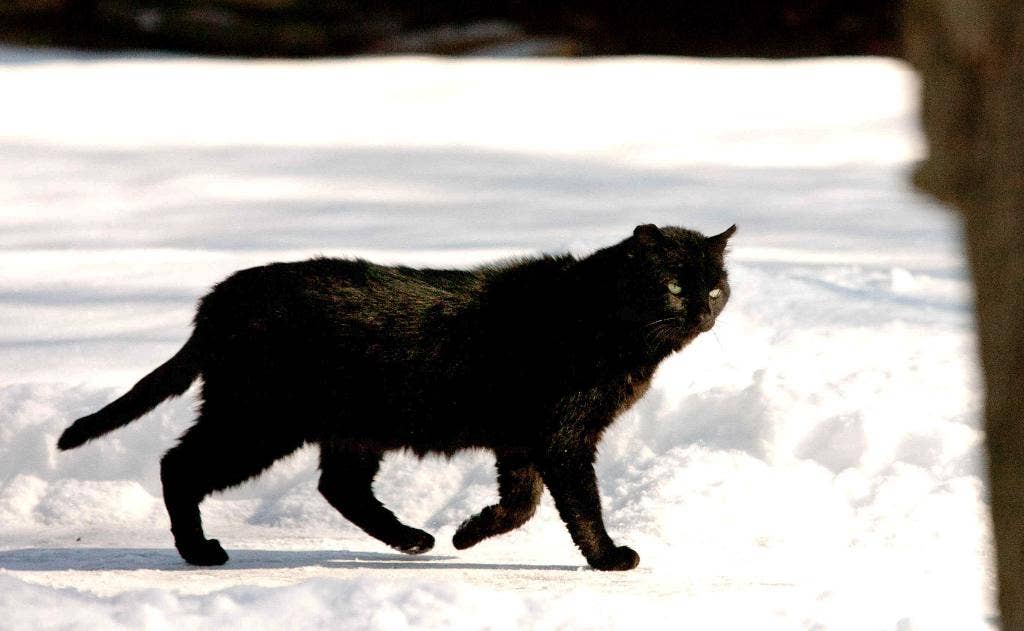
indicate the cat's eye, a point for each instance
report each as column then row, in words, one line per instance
column 715, row 293
column 674, row 288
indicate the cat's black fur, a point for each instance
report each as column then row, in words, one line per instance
column 531, row 359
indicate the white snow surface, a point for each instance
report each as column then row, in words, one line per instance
column 813, row 464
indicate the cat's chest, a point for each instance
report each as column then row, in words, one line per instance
column 596, row 406
column 629, row 389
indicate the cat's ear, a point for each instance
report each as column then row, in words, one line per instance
column 716, row 244
column 648, row 234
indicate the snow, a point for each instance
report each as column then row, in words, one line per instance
column 815, row 463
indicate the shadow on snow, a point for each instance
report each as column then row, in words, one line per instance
column 108, row 559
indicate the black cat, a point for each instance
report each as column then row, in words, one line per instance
column 532, row 359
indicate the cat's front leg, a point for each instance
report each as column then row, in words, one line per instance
column 519, row 491
column 569, row 475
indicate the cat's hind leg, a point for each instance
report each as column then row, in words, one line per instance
column 519, row 491
column 346, row 482
column 209, row 458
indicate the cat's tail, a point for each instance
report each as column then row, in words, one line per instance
column 170, row 379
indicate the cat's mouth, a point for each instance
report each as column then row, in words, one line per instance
column 706, row 322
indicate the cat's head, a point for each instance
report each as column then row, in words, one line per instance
column 678, row 283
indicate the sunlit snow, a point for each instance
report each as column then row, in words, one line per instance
column 812, row 464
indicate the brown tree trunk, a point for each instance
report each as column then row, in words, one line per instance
column 970, row 54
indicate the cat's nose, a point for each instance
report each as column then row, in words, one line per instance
column 706, row 322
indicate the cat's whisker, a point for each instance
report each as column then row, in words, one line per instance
column 663, row 320
column 655, row 339
column 660, row 334
column 718, row 340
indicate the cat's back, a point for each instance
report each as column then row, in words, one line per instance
column 308, row 293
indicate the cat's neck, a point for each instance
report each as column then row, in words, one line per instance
column 592, row 313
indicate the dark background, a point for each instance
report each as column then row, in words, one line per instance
column 309, row 28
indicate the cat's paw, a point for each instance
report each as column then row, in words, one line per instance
column 468, row 535
column 618, row 558
column 414, row 541
column 206, row 552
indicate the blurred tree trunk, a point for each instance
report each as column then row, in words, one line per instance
column 970, row 54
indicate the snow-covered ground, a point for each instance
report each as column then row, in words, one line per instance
column 813, row 464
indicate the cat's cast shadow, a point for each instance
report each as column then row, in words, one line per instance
column 108, row 559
